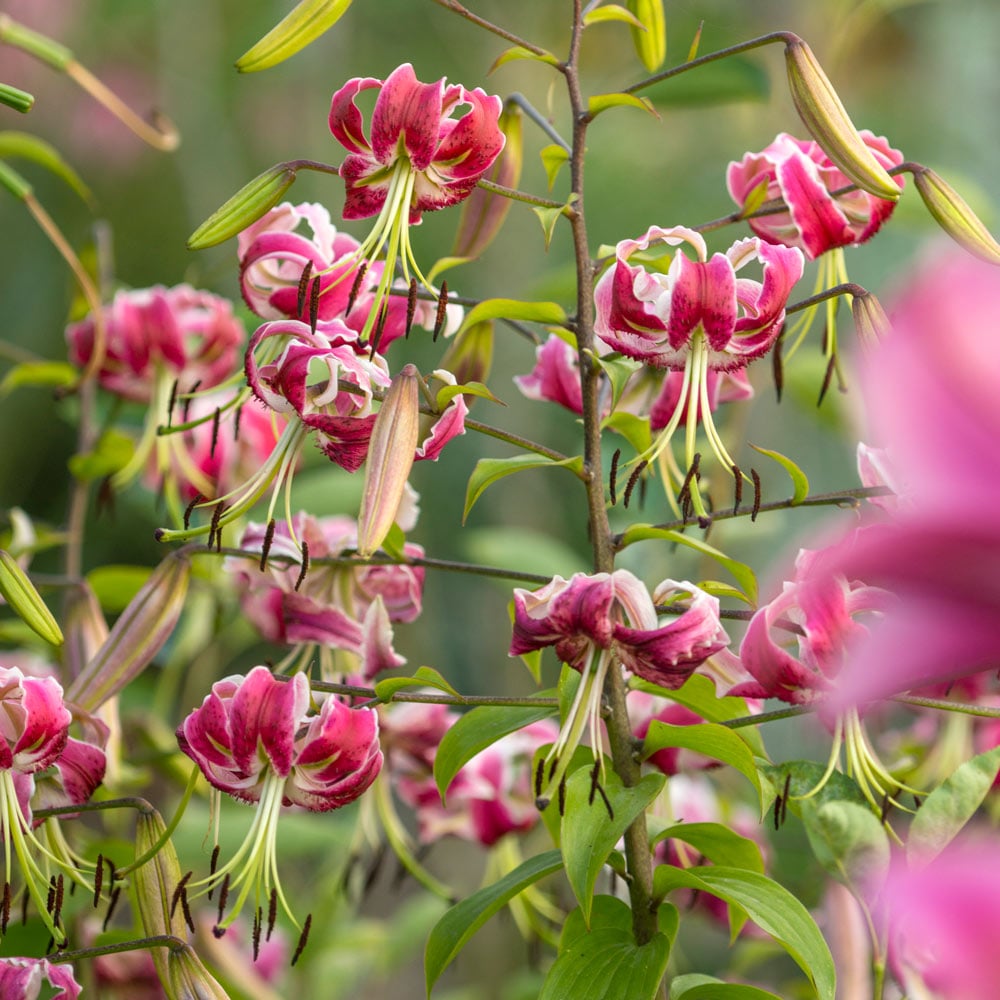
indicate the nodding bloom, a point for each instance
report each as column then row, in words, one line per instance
column 694, row 316
column 415, row 158
column 162, row 344
column 23, row 978
column 255, row 739
column 330, row 609
column 34, row 735
column 798, row 174
column 594, row 622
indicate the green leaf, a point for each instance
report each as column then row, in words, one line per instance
column 619, row 370
column 443, row 264
column 950, row 806
column 23, row 145
column 602, row 102
column 607, row 964
column 111, row 453
column 849, row 841
column 554, row 158
column 708, row 738
column 772, row 907
column 607, row 913
column 519, row 52
column 475, row 731
column 695, row 986
column 734, row 79
column 38, row 373
column 633, row 428
column 610, row 12
column 489, row 470
column 115, row 585
column 589, row 832
column 448, row 392
column 22, row 598
column 718, row 843
column 532, row 312
column 741, row 572
column 548, row 217
column 455, row 928
column 302, row 25
column 800, row 482
column 424, row 677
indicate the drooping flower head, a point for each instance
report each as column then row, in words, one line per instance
column 346, row 608
column 255, row 739
column 694, row 316
column 596, row 621
column 415, row 158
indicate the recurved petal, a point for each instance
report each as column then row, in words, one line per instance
column 409, row 110
column 46, row 725
column 475, row 141
column 346, row 121
column 265, row 717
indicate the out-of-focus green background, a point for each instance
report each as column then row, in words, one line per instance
column 922, row 73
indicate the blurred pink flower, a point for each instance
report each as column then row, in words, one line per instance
column 798, row 173
column 348, row 608
column 23, row 978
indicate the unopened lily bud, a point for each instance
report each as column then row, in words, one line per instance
column 138, row 635
column 390, row 457
column 245, row 207
column 188, row 979
column 19, row 592
column 651, row 40
column 470, row 355
column 86, row 628
column 302, row 25
column 156, row 885
column 484, row 212
column 19, row 100
column 870, row 319
column 954, row 216
column 825, row 117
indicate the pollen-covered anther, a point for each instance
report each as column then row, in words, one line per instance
column 179, row 892
column 442, row 310
column 411, row 305
column 755, row 476
column 112, row 906
column 613, row 476
column 303, row 938
column 305, row 566
column 355, row 288
column 265, row 550
column 303, row 287
column 632, row 480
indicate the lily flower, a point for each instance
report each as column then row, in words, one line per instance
column 23, row 978
column 608, row 621
column 345, row 609
column 416, row 158
column 797, row 173
column 254, row 739
column 694, row 317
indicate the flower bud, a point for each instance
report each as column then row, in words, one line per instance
column 19, row 592
column 302, row 25
column 246, row 206
column 870, row 320
column 651, row 40
column 188, row 979
column 484, row 212
column 955, row 217
column 390, row 457
column 138, row 635
column 19, row 100
column 824, row 116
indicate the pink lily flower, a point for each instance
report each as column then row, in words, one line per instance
column 345, row 608
column 254, row 738
column 23, row 978
column 939, row 417
column 585, row 618
column 943, row 920
column 798, row 173
column 695, row 317
column 418, row 159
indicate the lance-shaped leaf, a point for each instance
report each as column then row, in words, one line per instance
column 825, row 117
column 455, row 928
column 20, row 594
column 695, row 986
column 650, row 35
column 246, row 206
column 23, row 145
column 550, row 313
column 800, row 482
column 489, row 470
column 138, row 635
column 716, row 842
column 602, row 102
column 391, row 453
column 954, row 216
column 484, row 211
column 304, row 24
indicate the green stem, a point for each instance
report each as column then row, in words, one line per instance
column 456, row 8
column 514, row 195
column 521, row 442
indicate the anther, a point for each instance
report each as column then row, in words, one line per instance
column 216, row 417
column 594, row 775
column 304, row 286
column 303, row 938
column 172, row 402
column 105, row 497
column 632, row 480
column 539, row 776
column 179, row 892
column 777, row 811
column 755, row 476
column 187, row 400
column 383, row 315
column 828, row 375
column 215, row 529
column 272, row 913
column 787, row 794
column 442, row 310
column 411, row 305
column 737, row 488
column 264, row 550
column 98, row 879
column 223, row 897
column 777, row 366
column 562, row 796
column 314, row 306
column 186, row 911
column 613, row 477
column 213, row 864
column 115, row 896
column 60, row 894
column 684, row 496
column 50, row 901
column 355, row 288
column 607, row 802
column 256, row 933
column 305, row 566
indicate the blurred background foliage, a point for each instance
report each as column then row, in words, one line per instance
column 922, row 73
